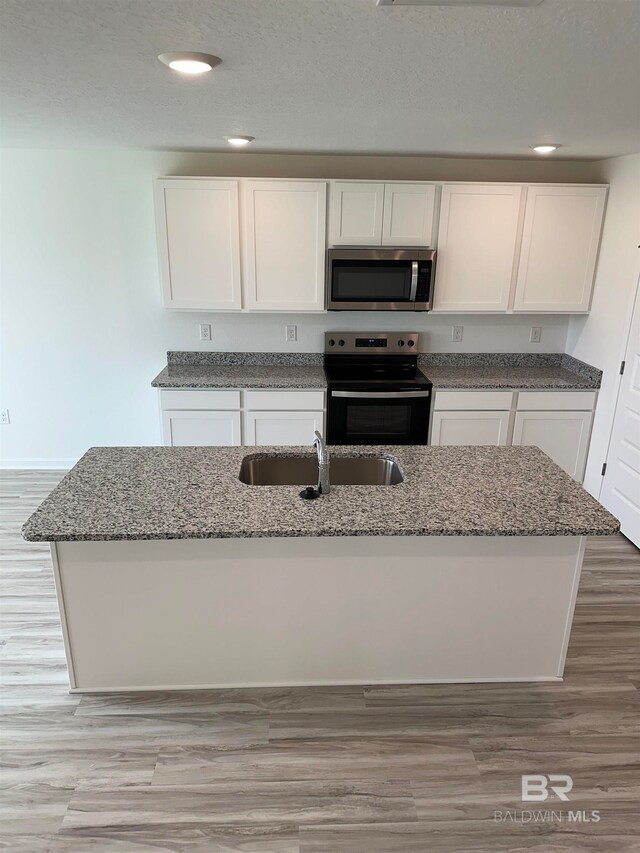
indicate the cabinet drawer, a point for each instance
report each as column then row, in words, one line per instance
column 283, row 401
column 473, row 400
column 198, row 398
column 556, row 401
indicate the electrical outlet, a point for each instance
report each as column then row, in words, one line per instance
column 535, row 334
column 456, row 334
column 4, row 417
column 205, row 331
column 291, row 333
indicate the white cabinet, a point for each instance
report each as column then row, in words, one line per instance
column 408, row 212
column 356, row 213
column 211, row 416
column 197, row 428
column 562, row 226
column 198, row 240
column 470, row 428
column 562, row 435
column 558, row 422
column 282, row 417
column 284, row 245
column 377, row 214
column 476, row 247
column 281, row 428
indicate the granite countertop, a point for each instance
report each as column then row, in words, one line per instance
column 237, row 376
column 519, row 378
column 544, row 371
column 118, row 493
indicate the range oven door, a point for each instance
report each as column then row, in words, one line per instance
column 378, row 417
column 380, row 279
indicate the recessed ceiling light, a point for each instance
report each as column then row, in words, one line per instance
column 544, row 149
column 239, row 140
column 190, row 62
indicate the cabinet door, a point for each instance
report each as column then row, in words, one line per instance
column 470, row 428
column 559, row 248
column 281, row 428
column 356, row 214
column 408, row 215
column 476, row 247
column 198, row 243
column 201, row 428
column 284, row 229
column 564, row 436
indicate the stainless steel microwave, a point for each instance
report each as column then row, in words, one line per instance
column 380, row 279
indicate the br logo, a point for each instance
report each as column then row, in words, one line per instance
column 535, row 788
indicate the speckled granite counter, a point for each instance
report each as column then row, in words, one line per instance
column 242, row 370
column 445, row 370
column 134, row 493
column 545, row 371
column 236, row 376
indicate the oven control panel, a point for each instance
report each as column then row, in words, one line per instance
column 374, row 342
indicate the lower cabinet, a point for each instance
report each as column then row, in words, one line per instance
column 281, row 428
column 201, row 428
column 195, row 417
column 564, row 436
column 558, row 422
column 470, row 428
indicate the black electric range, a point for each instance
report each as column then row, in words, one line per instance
column 376, row 394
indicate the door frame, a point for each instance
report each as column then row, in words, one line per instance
column 635, row 305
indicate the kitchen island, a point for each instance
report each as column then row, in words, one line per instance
column 172, row 573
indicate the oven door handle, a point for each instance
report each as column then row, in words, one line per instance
column 414, row 281
column 379, row 395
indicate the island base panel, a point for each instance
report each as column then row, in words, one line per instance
column 177, row 614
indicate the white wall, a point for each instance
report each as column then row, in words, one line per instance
column 599, row 338
column 83, row 330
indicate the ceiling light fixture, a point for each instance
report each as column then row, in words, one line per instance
column 239, row 141
column 544, row 149
column 190, row 62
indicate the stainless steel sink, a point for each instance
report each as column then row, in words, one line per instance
column 303, row 471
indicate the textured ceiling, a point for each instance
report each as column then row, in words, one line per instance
column 324, row 75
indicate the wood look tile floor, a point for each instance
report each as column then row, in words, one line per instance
column 381, row 769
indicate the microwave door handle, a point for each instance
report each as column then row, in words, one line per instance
column 414, row 281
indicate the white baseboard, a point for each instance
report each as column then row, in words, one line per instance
column 37, row 464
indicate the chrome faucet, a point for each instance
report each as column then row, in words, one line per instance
column 324, row 486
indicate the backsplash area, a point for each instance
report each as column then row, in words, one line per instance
column 263, row 332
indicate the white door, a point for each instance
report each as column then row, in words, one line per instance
column 476, row 247
column 355, row 213
column 470, row 428
column 564, row 436
column 281, row 428
column 560, row 242
column 198, row 241
column 621, row 485
column 284, row 231
column 201, row 428
column 408, row 214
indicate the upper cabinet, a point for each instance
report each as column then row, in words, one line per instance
column 503, row 247
column 377, row 214
column 560, row 240
column 284, row 243
column 476, row 247
column 260, row 244
column 199, row 246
